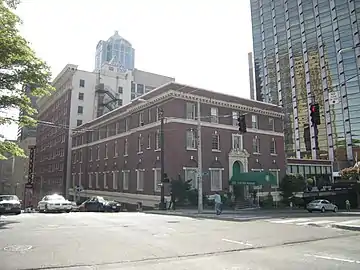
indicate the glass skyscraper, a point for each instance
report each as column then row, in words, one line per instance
column 308, row 51
column 116, row 50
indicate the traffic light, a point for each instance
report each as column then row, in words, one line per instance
column 315, row 114
column 242, row 123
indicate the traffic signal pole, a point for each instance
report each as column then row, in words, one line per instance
column 199, row 151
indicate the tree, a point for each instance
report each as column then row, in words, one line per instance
column 352, row 175
column 291, row 184
column 19, row 67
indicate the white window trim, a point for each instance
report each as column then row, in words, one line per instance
column 90, row 180
column 273, row 141
column 90, row 153
column 221, row 179
column 116, row 152
column 140, row 149
column 138, row 178
column 98, row 153
column 257, row 141
column 233, row 136
column 218, row 142
column 214, row 117
column 114, row 180
column 148, row 142
column 195, row 139
column 195, row 184
column 123, row 180
column 73, row 180
column 277, row 171
column 126, row 144
column 97, row 180
column 106, row 150
column 157, row 188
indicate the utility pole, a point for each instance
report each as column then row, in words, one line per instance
column 162, row 205
column 199, row 150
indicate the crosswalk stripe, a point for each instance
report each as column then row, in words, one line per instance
column 318, row 222
column 285, row 221
column 348, row 222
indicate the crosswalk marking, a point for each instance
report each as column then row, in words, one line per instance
column 286, row 221
column 317, row 222
column 349, row 222
column 312, row 222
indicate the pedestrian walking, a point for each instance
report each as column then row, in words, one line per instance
column 172, row 201
column 348, row 206
column 217, row 200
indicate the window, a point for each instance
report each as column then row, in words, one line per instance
column 272, row 124
column 273, row 146
column 107, row 128
column 254, row 121
column 117, row 126
column 149, row 116
column 80, row 156
column 191, row 175
column 126, row 124
column 90, row 180
column 81, row 96
column 97, row 180
column 191, row 139
column 149, row 141
column 82, row 83
column 157, row 179
column 106, row 150
column 80, row 109
column 140, row 88
column 215, row 145
column 237, row 142
column 114, row 180
column 216, row 179
column 140, row 179
column 126, row 145
column 116, row 153
column 120, row 90
column 78, row 122
column 157, row 140
column 73, row 180
column 235, row 116
column 105, row 180
column 90, row 154
column 140, row 144
column 98, row 153
column 214, row 115
column 256, row 145
column 190, row 110
column 126, row 176
column 141, row 119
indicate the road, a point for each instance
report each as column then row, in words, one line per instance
column 104, row 241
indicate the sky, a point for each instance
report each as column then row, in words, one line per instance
column 200, row 43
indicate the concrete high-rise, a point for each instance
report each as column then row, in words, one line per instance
column 308, row 51
column 116, row 51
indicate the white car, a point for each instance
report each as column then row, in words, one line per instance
column 54, row 203
column 321, row 205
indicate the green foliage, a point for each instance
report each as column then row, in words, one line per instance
column 351, row 173
column 180, row 190
column 291, row 184
column 19, row 67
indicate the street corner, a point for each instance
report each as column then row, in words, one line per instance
column 347, row 227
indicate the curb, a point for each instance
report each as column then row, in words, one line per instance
column 346, row 227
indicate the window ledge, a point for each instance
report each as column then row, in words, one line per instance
column 126, row 155
column 141, row 152
column 273, row 154
column 148, row 148
column 157, row 150
column 256, row 153
column 216, row 150
column 191, row 149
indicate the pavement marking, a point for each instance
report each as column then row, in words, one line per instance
column 318, row 222
column 333, row 258
column 237, row 242
column 285, row 221
column 348, row 222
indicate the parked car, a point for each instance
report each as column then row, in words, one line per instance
column 10, row 204
column 322, row 206
column 99, row 204
column 54, row 203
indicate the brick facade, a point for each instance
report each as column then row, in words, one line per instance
column 107, row 159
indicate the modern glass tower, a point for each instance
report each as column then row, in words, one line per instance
column 308, row 51
column 115, row 50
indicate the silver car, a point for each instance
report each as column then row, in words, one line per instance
column 321, row 205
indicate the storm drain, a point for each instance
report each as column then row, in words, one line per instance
column 18, row 248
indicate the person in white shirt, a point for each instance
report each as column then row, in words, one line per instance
column 217, row 200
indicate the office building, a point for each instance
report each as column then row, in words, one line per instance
column 80, row 97
column 306, row 52
column 116, row 51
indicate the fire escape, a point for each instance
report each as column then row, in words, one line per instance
column 102, row 102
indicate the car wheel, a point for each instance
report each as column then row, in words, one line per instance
column 46, row 208
column 310, row 211
column 335, row 209
column 323, row 210
column 18, row 213
column 67, row 211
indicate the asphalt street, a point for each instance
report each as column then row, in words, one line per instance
column 148, row 241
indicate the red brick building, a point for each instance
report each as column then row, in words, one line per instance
column 118, row 154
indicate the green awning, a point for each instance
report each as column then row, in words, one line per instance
column 253, row 178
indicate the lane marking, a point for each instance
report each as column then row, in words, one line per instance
column 284, row 221
column 237, row 242
column 319, row 222
column 333, row 258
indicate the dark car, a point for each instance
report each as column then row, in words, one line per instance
column 10, row 204
column 99, row 204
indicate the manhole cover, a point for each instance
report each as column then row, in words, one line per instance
column 18, row 248
column 173, row 221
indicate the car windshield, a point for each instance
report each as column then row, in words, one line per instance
column 8, row 198
column 55, row 198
